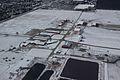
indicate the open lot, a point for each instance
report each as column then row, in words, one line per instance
column 105, row 17
column 8, row 42
column 39, row 19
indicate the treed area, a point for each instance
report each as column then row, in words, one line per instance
column 11, row 8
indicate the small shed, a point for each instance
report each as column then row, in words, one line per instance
column 81, row 23
column 94, row 24
column 84, row 7
column 77, row 29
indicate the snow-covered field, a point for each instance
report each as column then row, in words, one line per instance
column 39, row 19
column 114, row 71
column 102, row 37
column 7, row 42
column 111, row 17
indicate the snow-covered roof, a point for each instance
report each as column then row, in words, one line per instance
column 80, row 23
column 57, row 36
column 75, row 38
column 32, row 42
column 46, row 33
column 92, row 24
column 52, row 31
column 77, row 29
column 43, row 53
column 41, row 38
column 83, row 6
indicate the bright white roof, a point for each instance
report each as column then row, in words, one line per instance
column 75, row 38
column 83, row 6
column 80, row 22
column 77, row 29
column 43, row 53
column 57, row 36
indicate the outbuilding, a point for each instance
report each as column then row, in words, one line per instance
column 81, row 23
column 84, row 7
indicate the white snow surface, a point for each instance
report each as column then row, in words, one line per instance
column 102, row 37
column 103, row 16
column 42, row 53
column 39, row 19
column 6, row 42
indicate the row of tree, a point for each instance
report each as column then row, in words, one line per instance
column 11, row 8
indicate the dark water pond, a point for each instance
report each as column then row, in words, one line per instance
column 108, row 4
column 46, row 75
column 80, row 70
column 34, row 72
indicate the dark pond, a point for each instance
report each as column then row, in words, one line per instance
column 46, row 75
column 80, row 70
column 34, row 72
column 108, row 4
